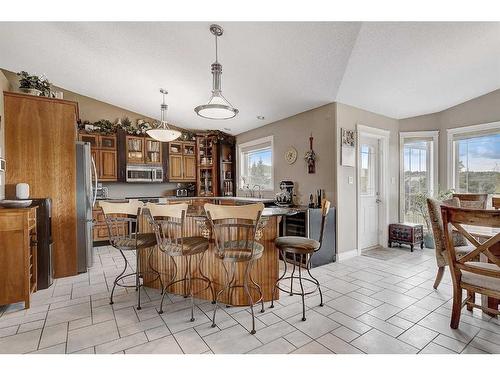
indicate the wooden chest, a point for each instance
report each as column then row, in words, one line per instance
column 408, row 234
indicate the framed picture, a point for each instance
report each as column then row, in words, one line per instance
column 348, row 148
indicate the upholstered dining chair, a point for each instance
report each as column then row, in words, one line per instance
column 167, row 222
column 478, row 201
column 473, row 276
column 235, row 233
column 299, row 251
column 123, row 229
column 460, row 243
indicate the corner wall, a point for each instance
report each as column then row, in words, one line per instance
column 4, row 86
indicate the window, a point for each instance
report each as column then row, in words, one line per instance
column 367, row 171
column 418, row 172
column 474, row 160
column 256, row 164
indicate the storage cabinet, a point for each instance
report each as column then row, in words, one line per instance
column 207, row 183
column 18, row 255
column 104, row 152
column 181, row 161
column 143, row 150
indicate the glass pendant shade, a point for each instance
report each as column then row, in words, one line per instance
column 163, row 133
column 218, row 107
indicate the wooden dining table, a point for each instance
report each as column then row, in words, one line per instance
column 483, row 234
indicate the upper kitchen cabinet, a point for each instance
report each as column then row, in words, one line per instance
column 143, row 150
column 181, row 161
column 207, row 183
column 104, row 152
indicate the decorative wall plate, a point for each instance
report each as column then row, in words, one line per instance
column 291, row 155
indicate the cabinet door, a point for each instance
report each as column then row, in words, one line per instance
column 135, row 150
column 175, row 168
column 107, row 170
column 107, row 142
column 189, row 164
column 152, row 153
column 93, row 139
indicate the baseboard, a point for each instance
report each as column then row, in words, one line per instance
column 347, row 254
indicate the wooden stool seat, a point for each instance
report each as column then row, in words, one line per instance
column 297, row 245
column 190, row 246
column 138, row 241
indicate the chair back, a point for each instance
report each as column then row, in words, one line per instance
column 478, row 201
column 325, row 208
column 455, row 219
column 121, row 219
column 234, row 228
column 167, row 222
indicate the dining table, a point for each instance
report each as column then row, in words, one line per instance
column 483, row 234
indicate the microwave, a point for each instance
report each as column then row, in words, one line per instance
column 144, row 173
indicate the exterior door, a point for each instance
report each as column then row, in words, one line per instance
column 369, row 191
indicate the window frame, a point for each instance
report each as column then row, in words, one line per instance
column 255, row 142
column 464, row 130
column 433, row 163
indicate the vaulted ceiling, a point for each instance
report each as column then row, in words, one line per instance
column 270, row 69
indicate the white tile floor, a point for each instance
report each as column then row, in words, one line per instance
column 384, row 303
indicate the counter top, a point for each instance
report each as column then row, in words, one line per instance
column 199, row 212
column 238, row 199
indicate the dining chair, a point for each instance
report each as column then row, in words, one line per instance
column 167, row 222
column 123, row 229
column 460, row 243
column 299, row 251
column 495, row 202
column 478, row 201
column 473, row 276
column 235, row 231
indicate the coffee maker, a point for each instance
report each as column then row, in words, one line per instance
column 285, row 197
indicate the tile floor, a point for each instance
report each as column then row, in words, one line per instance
column 380, row 303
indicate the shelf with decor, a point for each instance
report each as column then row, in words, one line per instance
column 227, row 168
column 207, row 165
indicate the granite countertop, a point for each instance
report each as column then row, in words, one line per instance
column 199, row 212
column 239, row 199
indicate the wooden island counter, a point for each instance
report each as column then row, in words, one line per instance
column 265, row 270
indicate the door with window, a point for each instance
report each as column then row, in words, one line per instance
column 369, row 186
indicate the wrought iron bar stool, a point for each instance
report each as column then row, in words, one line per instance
column 299, row 251
column 236, row 231
column 167, row 221
column 123, row 228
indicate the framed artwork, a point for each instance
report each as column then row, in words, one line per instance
column 348, row 148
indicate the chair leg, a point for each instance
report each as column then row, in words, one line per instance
column 190, row 283
column 151, row 249
column 230, row 291
column 471, row 297
column 316, row 280
column 118, row 277
column 293, row 273
column 226, row 287
column 439, row 277
column 204, row 277
column 278, row 281
column 138, row 278
column 302, row 291
column 259, row 288
column 245, row 287
column 457, row 307
column 166, row 286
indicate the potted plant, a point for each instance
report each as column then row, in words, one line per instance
column 34, row 85
column 420, row 208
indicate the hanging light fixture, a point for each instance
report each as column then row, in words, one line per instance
column 163, row 133
column 218, row 107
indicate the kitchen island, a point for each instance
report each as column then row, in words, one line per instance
column 265, row 270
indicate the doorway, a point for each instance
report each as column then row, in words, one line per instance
column 372, row 187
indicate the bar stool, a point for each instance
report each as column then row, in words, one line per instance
column 123, row 230
column 167, row 221
column 302, row 248
column 235, row 231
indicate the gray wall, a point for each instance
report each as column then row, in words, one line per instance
column 295, row 131
column 4, row 86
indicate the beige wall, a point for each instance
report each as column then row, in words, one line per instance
column 348, row 118
column 94, row 110
column 481, row 110
column 295, row 131
column 4, row 86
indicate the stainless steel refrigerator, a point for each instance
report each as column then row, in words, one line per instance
column 85, row 199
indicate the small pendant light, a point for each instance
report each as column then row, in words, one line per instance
column 163, row 133
column 218, row 107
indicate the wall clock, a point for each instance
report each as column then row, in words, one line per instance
column 291, row 155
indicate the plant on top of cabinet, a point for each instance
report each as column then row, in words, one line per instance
column 34, row 85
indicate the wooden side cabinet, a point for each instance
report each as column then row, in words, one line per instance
column 181, row 161
column 18, row 249
column 104, row 152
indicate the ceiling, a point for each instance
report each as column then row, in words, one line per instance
column 270, row 69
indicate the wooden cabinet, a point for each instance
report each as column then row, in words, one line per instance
column 207, row 184
column 18, row 249
column 104, row 152
column 181, row 161
column 100, row 229
column 143, row 150
column 227, row 170
column 40, row 150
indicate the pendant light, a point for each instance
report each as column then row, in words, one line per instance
column 163, row 133
column 218, row 107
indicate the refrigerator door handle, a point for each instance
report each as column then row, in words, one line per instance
column 94, row 169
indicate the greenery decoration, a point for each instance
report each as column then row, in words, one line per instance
column 186, row 135
column 30, row 82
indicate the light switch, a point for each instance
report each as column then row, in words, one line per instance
column 350, row 180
